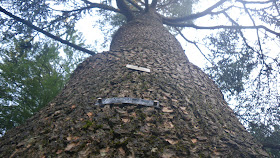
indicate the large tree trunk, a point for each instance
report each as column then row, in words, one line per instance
column 193, row 119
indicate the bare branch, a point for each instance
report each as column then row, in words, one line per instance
column 276, row 6
column 194, row 16
column 254, row 23
column 135, row 5
column 141, row 2
column 29, row 24
column 194, row 43
column 254, row 2
column 125, row 10
column 221, row 27
column 260, row 54
column 221, row 11
column 103, row 6
column 244, row 39
column 91, row 6
column 239, row 30
column 154, row 4
column 68, row 13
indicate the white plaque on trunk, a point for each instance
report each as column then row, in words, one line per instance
column 138, row 68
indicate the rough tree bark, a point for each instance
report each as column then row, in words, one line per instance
column 193, row 119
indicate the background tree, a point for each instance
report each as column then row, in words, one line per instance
column 247, row 69
column 32, row 74
column 234, row 61
column 266, row 136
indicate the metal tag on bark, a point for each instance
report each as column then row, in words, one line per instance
column 138, row 68
column 127, row 100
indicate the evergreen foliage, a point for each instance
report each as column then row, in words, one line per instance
column 32, row 74
column 269, row 138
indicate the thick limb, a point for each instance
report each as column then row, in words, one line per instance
column 194, row 16
column 147, row 6
column 154, row 4
column 29, row 24
column 125, row 9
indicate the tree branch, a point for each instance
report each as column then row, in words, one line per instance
column 244, row 39
column 194, row 16
column 221, row 27
column 194, row 43
column 254, row 23
column 254, row 2
column 125, row 10
column 147, row 6
column 221, row 11
column 239, row 30
column 91, row 6
column 29, row 24
column 277, row 8
column 270, row 145
column 141, row 2
column 135, row 5
column 154, row 4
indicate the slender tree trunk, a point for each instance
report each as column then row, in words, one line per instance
column 193, row 119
